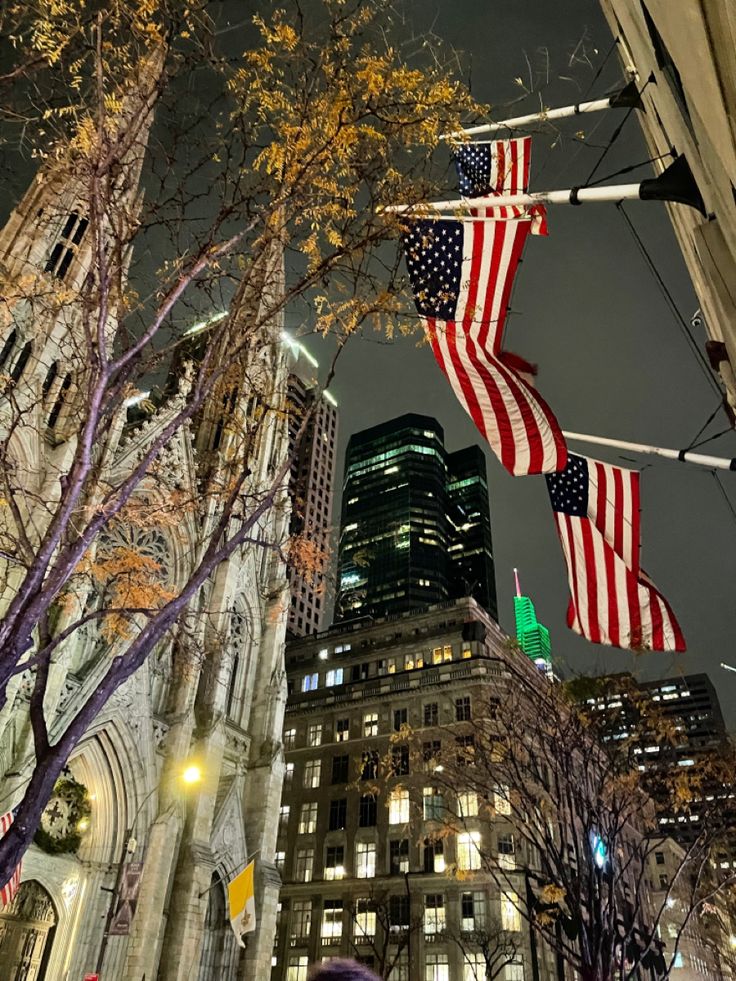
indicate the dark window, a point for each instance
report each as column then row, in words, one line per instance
column 398, row 912
column 338, row 814
column 59, row 403
column 400, row 718
column 431, row 750
column 340, row 766
column 434, row 855
column 232, row 682
column 20, row 365
column 342, row 730
column 8, row 346
column 49, row 379
column 368, row 811
column 335, row 859
column 659, row 856
column 369, row 765
column 431, row 714
column 462, row 709
column 467, row 907
column 400, row 760
column 63, row 252
column 399, row 856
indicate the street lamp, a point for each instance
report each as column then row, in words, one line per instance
column 191, row 775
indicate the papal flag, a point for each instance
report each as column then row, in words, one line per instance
column 242, row 900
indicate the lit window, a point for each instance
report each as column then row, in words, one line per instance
column 365, row 860
column 312, row 773
column 391, row 666
column 472, row 911
column 434, row 913
column 279, row 860
column 298, row 968
column 447, row 652
column 332, row 919
column 467, row 804
column 283, row 817
column 434, row 855
column 314, row 734
column 467, row 653
column 334, row 677
column 301, row 917
column 468, row 851
column 510, row 915
column 304, row 864
column 289, row 738
column 437, row 655
column 365, row 920
column 289, row 774
column 370, row 724
column 310, row 682
column 335, row 862
column 398, row 806
column 474, row 964
column 436, row 967
column 514, row 972
column 308, row 818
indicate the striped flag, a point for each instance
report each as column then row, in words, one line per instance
column 498, row 167
column 8, row 891
column 613, row 602
column 461, row 275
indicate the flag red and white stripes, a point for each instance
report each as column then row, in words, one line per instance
column 8, row 891
column 612, row 601
column 461, row 275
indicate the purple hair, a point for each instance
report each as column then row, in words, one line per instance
column 341, row 970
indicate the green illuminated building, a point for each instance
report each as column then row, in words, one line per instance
column 533, row 636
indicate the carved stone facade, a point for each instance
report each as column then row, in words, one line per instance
column 223, row 708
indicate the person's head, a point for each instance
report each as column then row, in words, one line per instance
column 341, row 970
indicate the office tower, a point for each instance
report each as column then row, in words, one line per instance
column 415, row 526
column 471, row 547
column 311, row 488
column 533, row 636
column 360, row 877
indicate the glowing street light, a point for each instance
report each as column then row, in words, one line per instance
column 192, row 774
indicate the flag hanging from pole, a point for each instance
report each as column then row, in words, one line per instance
column 596, row 507
column 461, row 275
column 8, row 891
column 499, row 167
column 242, row 902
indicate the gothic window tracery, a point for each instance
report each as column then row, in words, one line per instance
column 66, row 248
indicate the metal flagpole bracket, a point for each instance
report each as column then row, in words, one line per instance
column 675, row 183
column 626, row 98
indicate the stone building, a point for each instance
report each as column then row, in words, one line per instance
column 311, row 488
column 687, row 50
column 360, row 878
column 223, row 709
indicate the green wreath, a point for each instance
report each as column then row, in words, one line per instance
column 75, row 795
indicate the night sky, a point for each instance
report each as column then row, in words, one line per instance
column 612, row 358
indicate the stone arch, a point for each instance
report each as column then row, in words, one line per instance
column 219, row 957
column 27, row 928
column 108, row 764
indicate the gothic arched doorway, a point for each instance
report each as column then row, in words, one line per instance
column 26, row 933
column 218, row 945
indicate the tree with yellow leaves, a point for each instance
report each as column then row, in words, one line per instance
column 194, row 184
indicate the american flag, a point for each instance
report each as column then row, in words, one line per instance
column 596, row 508
column 461, row 275
column 498, row 167
column 8, row 891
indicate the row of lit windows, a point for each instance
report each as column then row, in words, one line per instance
column 409, row 662
column 436, row 967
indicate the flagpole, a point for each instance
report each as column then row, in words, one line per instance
column 627, row 98
column 683, row 456
column 675, row 183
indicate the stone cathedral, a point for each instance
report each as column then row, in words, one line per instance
column 173, row 850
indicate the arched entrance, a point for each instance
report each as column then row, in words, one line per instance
column 219, row 953
column 26, row 933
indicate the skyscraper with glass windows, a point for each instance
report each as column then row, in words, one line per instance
column 416, row 527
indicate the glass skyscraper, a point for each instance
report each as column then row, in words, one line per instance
column 415, row 526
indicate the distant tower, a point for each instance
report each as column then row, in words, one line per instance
column 533, row 636
column 311, row 487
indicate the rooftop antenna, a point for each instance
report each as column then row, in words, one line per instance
column 516, row 580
